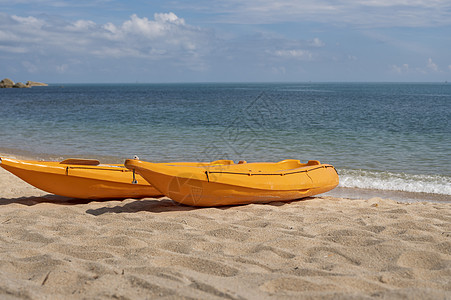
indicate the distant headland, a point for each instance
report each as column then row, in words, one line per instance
column 8, row 83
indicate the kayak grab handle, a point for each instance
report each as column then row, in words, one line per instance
column 134, row 179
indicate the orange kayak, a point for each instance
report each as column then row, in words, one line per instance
column 81, row 178
column 242, row 183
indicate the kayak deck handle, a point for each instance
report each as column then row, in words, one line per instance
column 134, row 179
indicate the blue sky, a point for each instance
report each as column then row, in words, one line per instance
column 225, row 41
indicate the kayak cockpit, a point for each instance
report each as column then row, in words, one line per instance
column 80, row 161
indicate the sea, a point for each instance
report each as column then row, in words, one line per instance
column 389, row 140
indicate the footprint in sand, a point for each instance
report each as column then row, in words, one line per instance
column 292, row 284
column 80, row 252
column 423, row 260
column 205, row 266
column 230, row 234
column 351, row 237
column 329, row 255
column 177, row 246
column 271, row 250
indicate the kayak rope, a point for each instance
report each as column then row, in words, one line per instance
column 336, row 171
column 267, row 174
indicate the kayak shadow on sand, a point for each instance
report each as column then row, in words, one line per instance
column 49, row 198
column 149, row 205
column 167, row 205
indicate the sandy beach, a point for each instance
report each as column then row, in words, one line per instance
column 321, row 247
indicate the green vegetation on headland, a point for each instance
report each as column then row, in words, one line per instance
column 8, row 83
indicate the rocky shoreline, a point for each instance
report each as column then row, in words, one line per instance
column 8, row 83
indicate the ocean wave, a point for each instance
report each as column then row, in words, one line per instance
column 364, row 179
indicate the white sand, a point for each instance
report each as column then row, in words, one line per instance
column 329, row 248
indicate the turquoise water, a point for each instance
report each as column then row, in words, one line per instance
column 390, row 137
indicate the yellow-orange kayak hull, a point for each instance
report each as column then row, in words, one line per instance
column 233, row 184
column 78, row 178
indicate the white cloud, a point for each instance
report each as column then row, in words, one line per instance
column 431, row 65
column 13, row 49
column 169, row 18
column 402, row 69
column 81, row 26
column 368, row 13
column 449, row 67
column 295, row 53
column 29, row 21
column 143, row 27
column 167, row 35
column 373, row 13
column 166, row 41
column 316, row 42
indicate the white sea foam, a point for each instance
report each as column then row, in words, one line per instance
column 432, row 184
